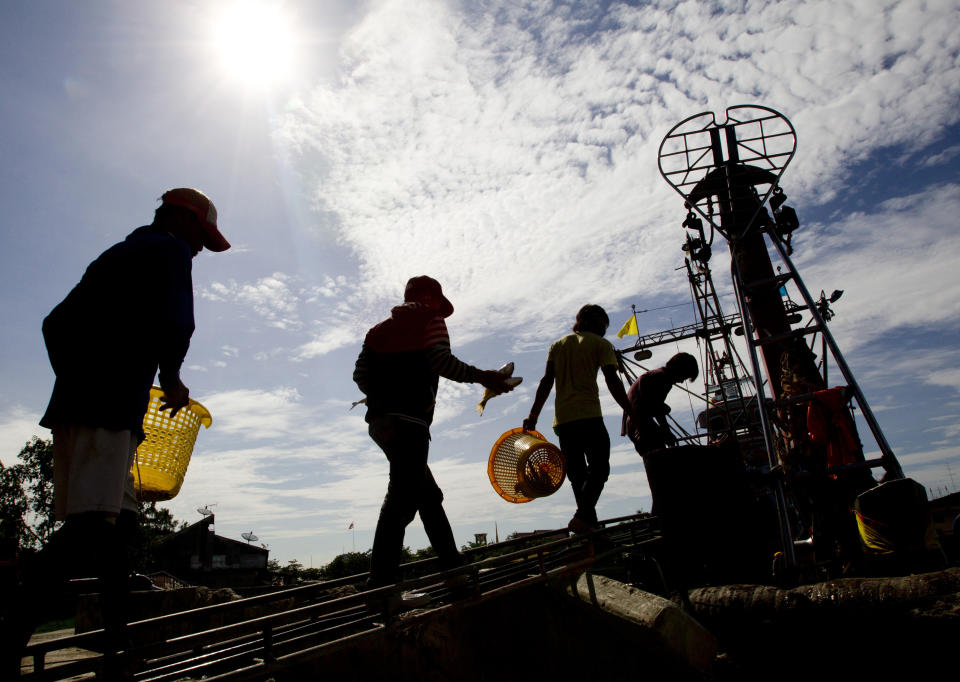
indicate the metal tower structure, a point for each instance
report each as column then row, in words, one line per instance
column 727, row 171
column 731, row 405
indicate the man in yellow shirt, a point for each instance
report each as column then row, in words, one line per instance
column 572, row 364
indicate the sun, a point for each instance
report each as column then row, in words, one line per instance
column 255, row 43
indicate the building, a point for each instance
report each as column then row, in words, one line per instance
column 199, row 556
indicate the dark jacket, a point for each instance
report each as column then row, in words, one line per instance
column 131, row 313
column 401, row 362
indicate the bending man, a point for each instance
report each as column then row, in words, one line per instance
column 130, row 315
column 645, row 422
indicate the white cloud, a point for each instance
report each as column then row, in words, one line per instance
column 254, row 413
column 926, row 466
column 510, row 149
column 328, row 339
column 896, row 264
column 455, row 400
column 949, row 376
column 269, row 297
column 290, row 304
column 280, row 415
column 16, row 430
column 331, row 288
column 499, row 139
column 943, row 157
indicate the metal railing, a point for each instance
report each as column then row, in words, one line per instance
column 306, row 621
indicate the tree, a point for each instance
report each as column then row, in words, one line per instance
column 154, row 523
column 347, row 564
column 473, row 544
column 27, row 515
column 13, row 510
column 311, row 574
column 291, row 572
column 159, row 520
column 427, row 552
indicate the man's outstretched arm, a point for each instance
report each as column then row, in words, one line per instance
column 446, row 364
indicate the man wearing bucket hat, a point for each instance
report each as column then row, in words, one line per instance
column 130, row 316
column 645, row 423
column 572, row 363
column 399, row 367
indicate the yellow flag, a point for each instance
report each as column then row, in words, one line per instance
column 629, row 327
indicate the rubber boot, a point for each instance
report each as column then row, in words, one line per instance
column 114, row 574
column 113, row 571
column 43, row 580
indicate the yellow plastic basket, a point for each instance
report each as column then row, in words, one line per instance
column 524, row 466
column 162, row 458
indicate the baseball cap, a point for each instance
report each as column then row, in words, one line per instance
column 200, row 205
column 419, row 287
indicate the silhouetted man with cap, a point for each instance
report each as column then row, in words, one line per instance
column 398, row 369
column 130, row 316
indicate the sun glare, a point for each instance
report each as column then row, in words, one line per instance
column 255, row 42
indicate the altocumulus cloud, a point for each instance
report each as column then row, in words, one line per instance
column 272, row 298
column 509, row 149
column 498, row 146
column 913, row 241
column 285, row 302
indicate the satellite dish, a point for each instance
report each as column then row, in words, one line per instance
column 249, row 537
column 205, row 510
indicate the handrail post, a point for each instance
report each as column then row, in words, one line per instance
column 268, row 644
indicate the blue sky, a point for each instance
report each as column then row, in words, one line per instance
column 509, row 149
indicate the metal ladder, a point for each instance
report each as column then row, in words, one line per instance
column 887, row 460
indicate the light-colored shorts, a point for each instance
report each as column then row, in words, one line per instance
column 91, row 470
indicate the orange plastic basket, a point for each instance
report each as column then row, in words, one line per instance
column 162, row 457
column 524, row 466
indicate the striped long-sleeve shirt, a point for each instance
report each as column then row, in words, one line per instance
column 401, row 361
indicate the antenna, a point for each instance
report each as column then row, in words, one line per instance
column 249, row 537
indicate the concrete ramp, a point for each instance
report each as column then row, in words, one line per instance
column 656, row 623
column 583, row 627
